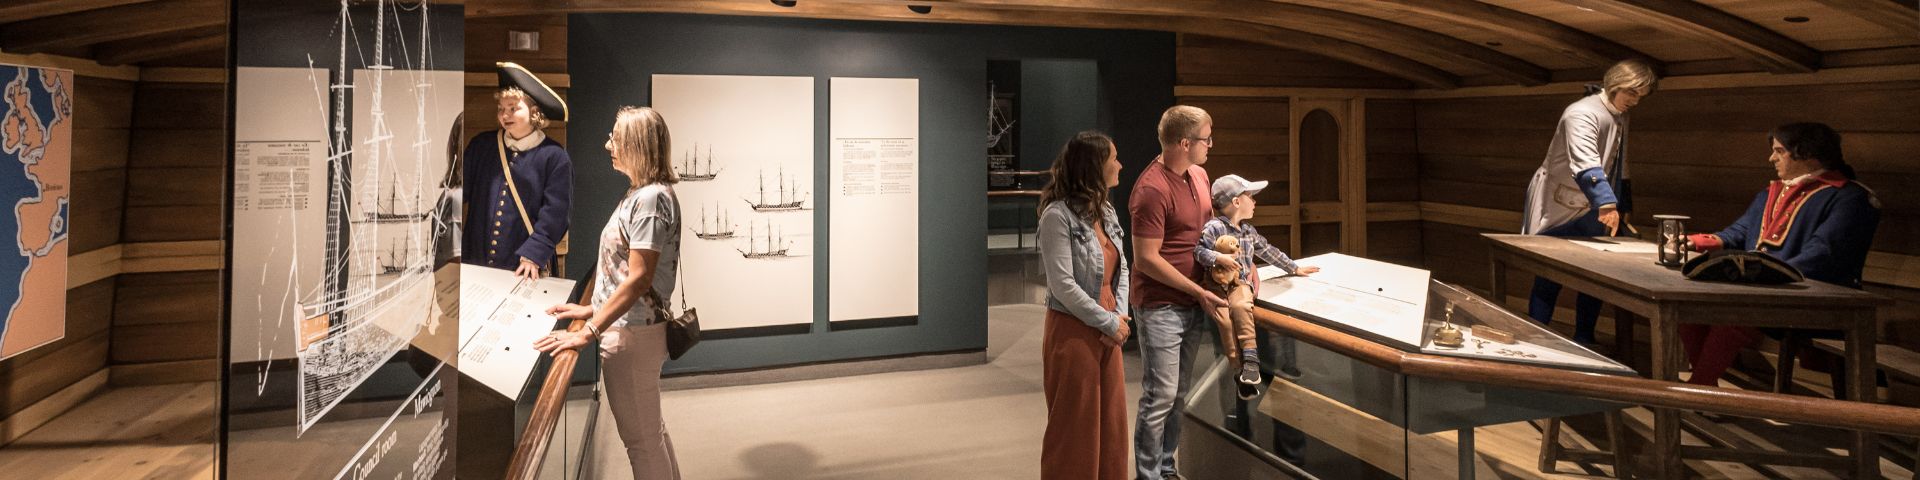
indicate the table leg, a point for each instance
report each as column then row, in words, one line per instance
column 1467, row 456
column 1499, row 286
column 1616, row 437
column 1623, row 321
column 1667, row 359
column 1862, row 388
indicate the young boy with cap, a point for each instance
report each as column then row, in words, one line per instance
column 1233, row 203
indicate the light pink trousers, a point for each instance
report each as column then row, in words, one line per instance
column 631, row 358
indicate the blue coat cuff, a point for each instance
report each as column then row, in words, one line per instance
column 1593, row 183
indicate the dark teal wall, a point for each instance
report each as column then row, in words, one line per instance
column 1058, row 98
column 613, row 56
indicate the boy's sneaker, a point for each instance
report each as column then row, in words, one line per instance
column 1249, row 379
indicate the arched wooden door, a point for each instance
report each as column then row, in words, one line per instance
column 1329, row 177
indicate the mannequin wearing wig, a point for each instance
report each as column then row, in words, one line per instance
column 1815, row 216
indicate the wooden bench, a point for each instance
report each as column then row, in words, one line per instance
column 1900, row 367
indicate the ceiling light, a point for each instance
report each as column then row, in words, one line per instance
column 921, row 9
column 786, row 3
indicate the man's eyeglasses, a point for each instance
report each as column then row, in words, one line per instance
column 1206, row 140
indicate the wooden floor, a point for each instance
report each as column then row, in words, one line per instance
column 166, row 432
column 145, row 432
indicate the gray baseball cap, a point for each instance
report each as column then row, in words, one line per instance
column 1227, row 187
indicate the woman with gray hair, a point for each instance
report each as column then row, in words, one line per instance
column 1581, row 189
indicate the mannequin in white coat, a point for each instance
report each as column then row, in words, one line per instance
column 1581, row 187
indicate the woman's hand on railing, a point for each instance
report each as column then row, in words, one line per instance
column 561, row 340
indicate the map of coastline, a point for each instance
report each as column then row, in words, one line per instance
column 36, row 125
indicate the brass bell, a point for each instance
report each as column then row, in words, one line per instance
column 1448, row 335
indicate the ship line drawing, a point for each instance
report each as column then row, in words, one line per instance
column 690, row 170
column 721, row 228
column 345, row 330
column 785, row 199
column 385, row 211
column 776, row 244
column 998, row 123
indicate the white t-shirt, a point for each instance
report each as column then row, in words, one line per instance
column 649, row 219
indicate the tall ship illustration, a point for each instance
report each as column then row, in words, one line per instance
column 715, row 227
column 386, row 208
column 370, row 302
column 689, row 169
column 776, row 245
column 787, row 196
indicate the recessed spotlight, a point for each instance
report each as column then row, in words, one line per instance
column 1796, row 19
column 921, row 9
column 786, row 3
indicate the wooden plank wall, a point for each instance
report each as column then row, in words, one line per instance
column 1252, row 137
column 487, row 43
column 1393, row 177
column 102, row 120
column 170, row 320
column 1697, row 152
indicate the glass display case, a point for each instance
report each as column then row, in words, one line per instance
column 1325, row 414
column 1488, row 332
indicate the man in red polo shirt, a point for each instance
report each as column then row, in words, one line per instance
column 1170, row 204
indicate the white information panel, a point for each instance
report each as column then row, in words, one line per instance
column 1380, row 298
column 501, row 316
column 743, row 146
column 875, row 178
column 279, row 194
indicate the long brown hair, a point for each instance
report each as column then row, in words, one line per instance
column 1079, row 176
column 643, row 147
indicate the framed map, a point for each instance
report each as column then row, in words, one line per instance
column 36, row 150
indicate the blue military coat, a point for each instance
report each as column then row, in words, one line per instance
column 1823, row 226
column 495, row 235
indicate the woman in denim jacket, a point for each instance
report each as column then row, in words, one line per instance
column 1086, row 317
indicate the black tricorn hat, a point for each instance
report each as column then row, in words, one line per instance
column 549, row 103
column 1741, row 266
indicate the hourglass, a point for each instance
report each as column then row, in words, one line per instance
column 1673, row 240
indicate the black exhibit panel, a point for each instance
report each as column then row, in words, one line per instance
column 339, row 319
column 1114, row 80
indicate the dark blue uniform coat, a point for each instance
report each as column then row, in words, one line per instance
column 1823, row 226
column 495, row 234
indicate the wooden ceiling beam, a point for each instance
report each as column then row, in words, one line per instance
column 1899, row 17
column 1590, row 49
column 111, row 24
column 140, row 50
column 27, row 10
column 1743, row 39
column 1446, row 52
column 1422, row 74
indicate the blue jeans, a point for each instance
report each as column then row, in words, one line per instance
column 1586, row 308
column 1169, row 337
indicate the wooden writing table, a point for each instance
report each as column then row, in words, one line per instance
column 1635, row 284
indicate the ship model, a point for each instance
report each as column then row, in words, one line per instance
column 785, row 199
column 690, row 170
column 998, row 123
column 720, row 228
column 776, row 245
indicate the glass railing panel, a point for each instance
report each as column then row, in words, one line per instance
column 1301, row 422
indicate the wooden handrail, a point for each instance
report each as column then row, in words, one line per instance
column 1022, row 173
column 532, row 447
column 1849, row 415
column 1012, row 193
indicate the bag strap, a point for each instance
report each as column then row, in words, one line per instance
column 507, row 171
